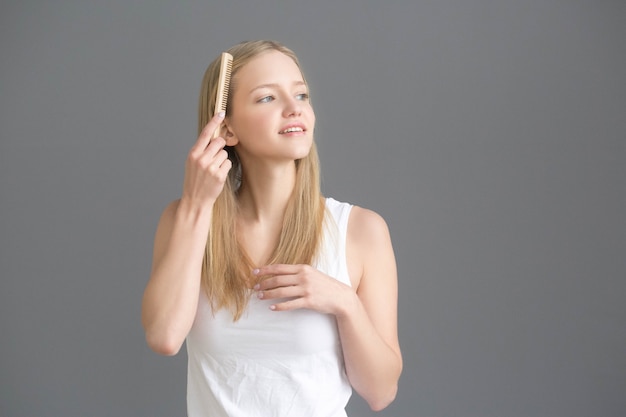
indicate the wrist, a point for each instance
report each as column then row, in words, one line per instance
column 194, row 214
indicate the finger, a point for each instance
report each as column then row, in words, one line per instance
column 221, row 158
column 276, row 281
column 226, row 166
column 222, row 172
column 213, row 155
column 277, row 269
column 217, row 143
column 208, row 132
column 296, row 303
column 280, row 292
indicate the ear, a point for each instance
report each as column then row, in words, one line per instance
column 228, row 134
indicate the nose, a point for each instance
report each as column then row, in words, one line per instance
column 293, row 107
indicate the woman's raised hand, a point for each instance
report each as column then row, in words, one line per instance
column 206, row 168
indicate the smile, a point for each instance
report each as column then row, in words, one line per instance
column 292, row 130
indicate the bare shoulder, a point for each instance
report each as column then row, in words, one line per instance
column 367, row 225
column 368, row 246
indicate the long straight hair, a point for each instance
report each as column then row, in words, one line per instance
column 226, row 268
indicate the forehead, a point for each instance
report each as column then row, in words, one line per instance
column 272, row 67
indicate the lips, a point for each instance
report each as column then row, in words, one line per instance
column 292, row 128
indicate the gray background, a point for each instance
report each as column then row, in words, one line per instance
column 490, row 135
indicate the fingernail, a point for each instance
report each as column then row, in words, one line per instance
column 272, row 307
column 257, row 286
column 221, row 114
column 260, row 295
column 255, row 271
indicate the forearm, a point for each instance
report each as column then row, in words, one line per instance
column 372, row 366
column 171, row 296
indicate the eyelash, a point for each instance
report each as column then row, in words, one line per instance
column 305, row 97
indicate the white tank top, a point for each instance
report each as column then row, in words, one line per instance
column 268, row 363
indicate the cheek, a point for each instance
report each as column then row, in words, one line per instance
column 258, row 123
column 311, row 116
column 250, row 124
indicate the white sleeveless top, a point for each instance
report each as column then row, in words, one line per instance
column 272, row 363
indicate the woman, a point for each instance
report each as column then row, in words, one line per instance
column 292, row 300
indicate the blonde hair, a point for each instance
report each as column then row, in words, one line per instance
column 226, row 268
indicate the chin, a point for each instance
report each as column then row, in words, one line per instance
column 303, row 154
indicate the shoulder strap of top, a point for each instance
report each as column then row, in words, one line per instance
column 336, row 232
column 340, row 213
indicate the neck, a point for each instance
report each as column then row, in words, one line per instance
column 265, row 192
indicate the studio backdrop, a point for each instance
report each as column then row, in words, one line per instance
column 489, row 134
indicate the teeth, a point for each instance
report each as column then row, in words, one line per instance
column 292, row 129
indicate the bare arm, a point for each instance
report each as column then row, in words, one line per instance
column 171, row 295
column 368, row 327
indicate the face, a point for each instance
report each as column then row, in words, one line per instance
column 271, row 116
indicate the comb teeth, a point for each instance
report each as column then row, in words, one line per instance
column 226, row 69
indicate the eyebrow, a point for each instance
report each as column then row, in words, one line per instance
column 275, row 85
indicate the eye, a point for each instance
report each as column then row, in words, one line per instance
column 303, row 96
column 265, row 99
